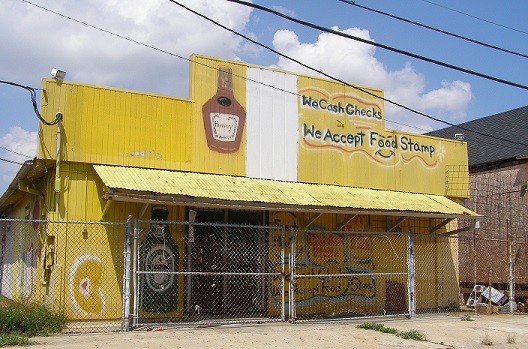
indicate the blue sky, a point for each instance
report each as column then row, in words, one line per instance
column 35, row 40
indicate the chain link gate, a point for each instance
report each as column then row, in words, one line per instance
column 341, row 274
column 183, row 272
column 204, row 273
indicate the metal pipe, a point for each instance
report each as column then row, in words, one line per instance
column 126, row 276
column 135, row 276
column 283, row 283
column 510, row 274
column 411, row 276
column 57, row 166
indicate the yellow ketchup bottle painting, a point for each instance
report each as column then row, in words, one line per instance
column 223, row 116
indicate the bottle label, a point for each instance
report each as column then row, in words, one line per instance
column 161, row 260
column 224, row 126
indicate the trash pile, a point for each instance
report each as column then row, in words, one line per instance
column 486, row 299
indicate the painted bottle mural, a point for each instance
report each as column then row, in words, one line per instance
column 223, row 116
column 159, row 254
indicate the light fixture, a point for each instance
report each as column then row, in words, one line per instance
column 459, row 136
column 58, row 74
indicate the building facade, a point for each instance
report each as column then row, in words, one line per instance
column 252, row 151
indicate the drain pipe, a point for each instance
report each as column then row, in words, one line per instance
column 58, row 162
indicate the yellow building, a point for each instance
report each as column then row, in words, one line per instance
column 266, row 157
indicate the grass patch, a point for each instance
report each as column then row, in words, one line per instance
column 14, row 339
column 21, row 320
column 412, row 334
column 487, row 340
column 377, row 327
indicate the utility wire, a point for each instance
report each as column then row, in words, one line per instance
column 270, row 49
column 33, row 93
column 353, row 3
column 334, row 78
column 14, row 152
column 389, row 48
column 104, row 30
column 475, row 17
column 11, row 161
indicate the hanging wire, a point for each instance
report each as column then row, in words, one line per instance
column 33, row 93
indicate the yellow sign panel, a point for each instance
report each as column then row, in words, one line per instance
column 343, row 140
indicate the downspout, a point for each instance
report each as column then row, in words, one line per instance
column 57, row 166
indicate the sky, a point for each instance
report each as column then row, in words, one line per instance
column 145, row 45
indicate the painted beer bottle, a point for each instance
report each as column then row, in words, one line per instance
column 160, row 262
column 223, row 116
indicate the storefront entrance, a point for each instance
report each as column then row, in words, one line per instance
column 224, row 255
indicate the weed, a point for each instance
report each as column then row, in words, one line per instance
column 467, row 318
column 510, row 338
column 412, row 334
column 487, row 340
column 377, row 327
column 28, row 319
column 14, row 339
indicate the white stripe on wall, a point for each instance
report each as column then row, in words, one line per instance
column 272, row 121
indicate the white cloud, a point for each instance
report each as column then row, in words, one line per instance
column 35, row 40
column 40, row 40
column 22, row 145
column 355, row 63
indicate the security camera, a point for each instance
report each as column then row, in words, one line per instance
column 59, row 115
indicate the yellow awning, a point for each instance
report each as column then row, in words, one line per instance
column 198, row 189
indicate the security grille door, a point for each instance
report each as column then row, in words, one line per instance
column 222, row 257
column 207, row 290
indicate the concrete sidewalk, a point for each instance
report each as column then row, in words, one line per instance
column 442, row 331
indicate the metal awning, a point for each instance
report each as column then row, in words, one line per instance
column 198, row 189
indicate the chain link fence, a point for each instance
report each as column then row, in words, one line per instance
column 188, row 273
column 126, row 276
column 73, row 268
column 348, row 274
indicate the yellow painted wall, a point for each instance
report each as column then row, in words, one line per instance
column 126, row 128
column 117, row 127
column 341, row 133
column 85, row 278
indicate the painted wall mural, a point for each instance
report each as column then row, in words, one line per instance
column 327, row 255
column 159, row 253
column 86, row 275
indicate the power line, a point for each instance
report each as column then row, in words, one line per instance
column 389, row 48
column 330, row 76
column 475, row 17
column 268, row 48
column 33, row 93
column 353, row 3
column 11, row 161
column 104, row 30
column 14, row 152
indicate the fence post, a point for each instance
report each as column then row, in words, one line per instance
column 283, row 274
column 511, row 285
column 126, row 276
column 411, row 275
column 135, row 237
column 292, row 284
